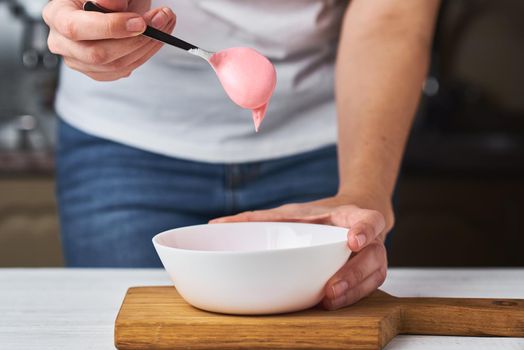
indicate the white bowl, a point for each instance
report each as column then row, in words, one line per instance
column 252, row 268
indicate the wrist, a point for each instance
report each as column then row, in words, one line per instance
column 373, row 198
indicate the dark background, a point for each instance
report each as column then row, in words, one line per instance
column 461, row 192
column 460, row 197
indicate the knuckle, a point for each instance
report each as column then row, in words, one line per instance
column 379, row 252
column 94, row 76
column 110, row 28
column 390, row 221
column 45, row 14
column 339, row 217
column 52, row 44
column 381, row 277
column 375, row 215
column 117, row 65
column 100, row 77
column 248, row 215
column 290, row 207
column 378, row 217
column 368, row 230
column 113, row 26
column 357, row 275
column 96, row 55
column 141, row 41
column 355, row 295
column 68, row 28
column 119, row 76
column 69, row 64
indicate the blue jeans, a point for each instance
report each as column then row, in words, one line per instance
column 114, row 198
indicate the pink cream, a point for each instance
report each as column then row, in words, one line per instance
column 248, row 78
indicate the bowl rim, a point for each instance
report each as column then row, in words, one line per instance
column 249, row 252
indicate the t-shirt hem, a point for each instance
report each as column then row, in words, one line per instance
column 173, row 148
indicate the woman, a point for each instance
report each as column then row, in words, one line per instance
column 164, row 147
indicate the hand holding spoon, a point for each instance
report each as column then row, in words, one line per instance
column 248, row 77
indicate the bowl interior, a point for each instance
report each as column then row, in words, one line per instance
column 251, row 236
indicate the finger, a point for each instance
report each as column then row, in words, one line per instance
column 152, row 51
column 287, row 212
column 294, row 212
column 113, row 5
column 259, row 215
column 360, row 235
column 71, row 21
column 127, row 68
column 263, row 215
column 138, row 6
column 364, row 225
column 356, row 270
column 138, row 58
column 107, row 55
column 124, row 63
column 105, row 77
column 368, row 286
column 126, row 72
column 93, row 53
column 160, row 18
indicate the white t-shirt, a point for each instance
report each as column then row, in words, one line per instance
column 174, row 104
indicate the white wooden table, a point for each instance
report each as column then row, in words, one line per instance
column 76, row 308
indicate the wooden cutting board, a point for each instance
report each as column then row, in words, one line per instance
column 158, row 318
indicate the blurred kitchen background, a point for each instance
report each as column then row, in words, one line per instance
column 460, row 198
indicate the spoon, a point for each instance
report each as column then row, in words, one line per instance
column 247, row 76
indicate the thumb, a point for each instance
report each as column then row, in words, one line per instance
column 364, row 225
column 113, row 5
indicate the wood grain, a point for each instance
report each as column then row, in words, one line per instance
column 456, row 316
column 158, row 318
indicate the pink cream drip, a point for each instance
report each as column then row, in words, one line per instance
column 248, row 78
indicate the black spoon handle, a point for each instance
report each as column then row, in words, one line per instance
column 149, row 32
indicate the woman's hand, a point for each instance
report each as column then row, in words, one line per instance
column 366, row 269
column 105, row 46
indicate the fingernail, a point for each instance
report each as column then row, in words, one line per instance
column 339, row 289
column 135, row 25
column 168, row 12
column 361, row 239
column 339, row 302
column 160, row 20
